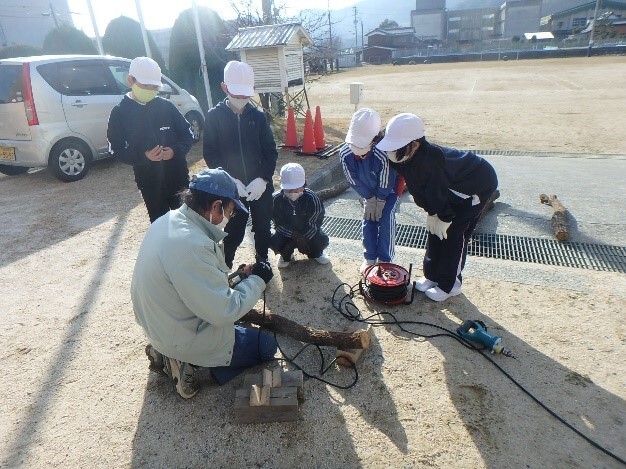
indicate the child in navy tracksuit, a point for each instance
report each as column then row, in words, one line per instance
column 298, row 214
column 453, row 186
column 368, row 173
column 150, row 134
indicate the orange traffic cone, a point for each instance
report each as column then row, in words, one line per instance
column 320, row 141
column 308, row 139
column 291, row 136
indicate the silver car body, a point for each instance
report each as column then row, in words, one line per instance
column 66, row 115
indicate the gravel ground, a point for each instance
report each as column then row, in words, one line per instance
column 76, row 390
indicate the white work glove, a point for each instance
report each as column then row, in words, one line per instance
column 369, row 211
column 380, row 205
column 243, row 193
column 256, row 188
column 437, row 227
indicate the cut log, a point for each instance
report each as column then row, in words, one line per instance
column 559, row 218
column 341, row 340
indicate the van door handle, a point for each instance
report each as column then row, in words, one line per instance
column 78, row 103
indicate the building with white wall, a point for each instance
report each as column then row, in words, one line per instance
column 518, row 17
column 429, row 20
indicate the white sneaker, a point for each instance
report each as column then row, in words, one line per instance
column 366, row 263
column 422, row 284
column 282, row 263
column 437, row 294
column 323, row 259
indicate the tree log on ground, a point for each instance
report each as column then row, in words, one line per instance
column 559, row 218
column 342, row 340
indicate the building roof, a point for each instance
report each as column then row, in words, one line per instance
column 392, row 31
column 539, row 35
column 268, row 36
column 589, row 6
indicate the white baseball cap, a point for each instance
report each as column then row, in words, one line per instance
column 146, row 71
column 402, row 129
column 292, row 176
column 364, row 126
column 239, row 78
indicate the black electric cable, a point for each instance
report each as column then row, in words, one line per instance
column 355, row 315
column 291, row 360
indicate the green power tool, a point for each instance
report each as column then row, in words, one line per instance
column 476, row 331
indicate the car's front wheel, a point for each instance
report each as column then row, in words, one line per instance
column 12, row 170
column 70, row 160
column 196, row 123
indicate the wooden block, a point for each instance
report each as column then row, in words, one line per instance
column 276, row 377
column 282, row 406
column 288, row 378
column 348, row 357
column 267, row 377
column 259, row 395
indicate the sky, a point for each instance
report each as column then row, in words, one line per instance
column 159, row 14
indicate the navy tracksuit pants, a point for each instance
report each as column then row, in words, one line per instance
column 445, row 259
column 261, row 213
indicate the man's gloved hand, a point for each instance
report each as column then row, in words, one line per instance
column 438, row 227
column 380, row 205
column 241, row 189
column 263, row 270
column 369, row 211
column 256, row 188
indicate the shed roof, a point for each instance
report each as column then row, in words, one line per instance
column 392, row 31
column 268, row 36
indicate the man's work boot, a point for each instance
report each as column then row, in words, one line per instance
column 183, row 375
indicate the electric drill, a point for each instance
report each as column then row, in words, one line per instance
column 476, row 331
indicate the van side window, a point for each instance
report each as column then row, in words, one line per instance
column 119, row 70
column 79, row 78
column 85, row 80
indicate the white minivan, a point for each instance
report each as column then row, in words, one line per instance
column 54, row 111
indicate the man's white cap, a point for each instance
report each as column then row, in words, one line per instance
column 239, row 78
column 146, row 71
column 364, row 126
column 292, row 176
column 402, row 129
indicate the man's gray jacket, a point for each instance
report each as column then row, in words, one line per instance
column 180, row 290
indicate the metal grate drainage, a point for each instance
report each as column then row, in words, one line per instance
column 600, row 257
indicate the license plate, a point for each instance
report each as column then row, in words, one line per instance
column 7, row 153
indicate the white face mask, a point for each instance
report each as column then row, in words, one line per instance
column 293, row 196
column 359, row 151
column 238, row 103
column 393, row 155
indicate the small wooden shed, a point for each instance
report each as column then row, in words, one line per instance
column 275, row 53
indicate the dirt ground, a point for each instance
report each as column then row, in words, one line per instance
column 76, row 390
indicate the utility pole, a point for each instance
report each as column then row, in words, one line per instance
column 330, row 30
column 95, row 27
column 362, row 42
column 144, row 33
column 54, row 16
column 266, row 5
column 593, row 27
column 203, row 67
column 356, row 35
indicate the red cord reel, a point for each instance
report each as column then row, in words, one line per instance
column 387, row 283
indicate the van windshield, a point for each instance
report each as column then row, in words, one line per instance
column 10, row 84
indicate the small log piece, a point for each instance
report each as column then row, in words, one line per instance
column 559, row 218
column 342, row 340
